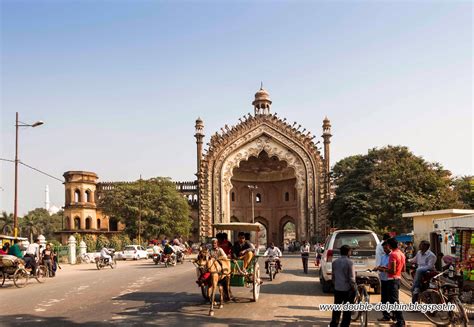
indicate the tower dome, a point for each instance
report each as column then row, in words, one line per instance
column 262, row 102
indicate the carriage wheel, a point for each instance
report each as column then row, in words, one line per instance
column 41, row 273
column 20, row 277
column 204, row 292
column 256, row 282
column 2, row 277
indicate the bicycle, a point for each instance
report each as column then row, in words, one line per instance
column 441, row 292
column 362, row 296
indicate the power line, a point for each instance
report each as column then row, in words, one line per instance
column 36, row 169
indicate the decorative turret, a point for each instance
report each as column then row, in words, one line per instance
column 262, row 102
column 327, row 141
column 199, row 135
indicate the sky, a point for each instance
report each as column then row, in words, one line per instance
column 119, row 84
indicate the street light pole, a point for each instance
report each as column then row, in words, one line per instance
column 252, row 188
column 18, row 124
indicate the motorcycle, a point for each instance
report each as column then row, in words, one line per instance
column 156, row 258
column 103, row 262
column 168, row 259
column 272, row 268
column 180, row 257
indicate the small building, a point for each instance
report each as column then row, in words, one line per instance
column 423, row 221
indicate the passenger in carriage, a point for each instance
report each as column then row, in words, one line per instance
column 215, row 252
column 243, row 249
column 224, row 243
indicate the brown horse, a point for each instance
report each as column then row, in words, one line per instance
column 219, row 271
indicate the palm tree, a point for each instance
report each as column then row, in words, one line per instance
column 30, row 224
column 6, row 223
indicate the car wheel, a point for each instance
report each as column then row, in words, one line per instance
column 325, row 285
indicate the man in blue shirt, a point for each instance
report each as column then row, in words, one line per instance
column 383, row 279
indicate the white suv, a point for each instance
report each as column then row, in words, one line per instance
column 362, row 243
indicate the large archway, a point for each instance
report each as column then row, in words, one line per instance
column 264, row 186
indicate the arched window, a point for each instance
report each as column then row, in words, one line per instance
column 113, row 224
column 98, row 223
column 88, row 222
column 68, row 223
column 287, row 196
column 232, row 196
column 77, row 196
column 258, row 198
column 77, row 223
column 88, row 196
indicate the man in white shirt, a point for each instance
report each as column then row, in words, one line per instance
column 379, row 252
column 274, row 253
column 31, row 254
column 304, row 249
column 105, row 254
column 425, row 260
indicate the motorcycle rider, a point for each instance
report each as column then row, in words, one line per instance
column 425, row 260
column 168, row 251
column 105, row 255
column 275, row 253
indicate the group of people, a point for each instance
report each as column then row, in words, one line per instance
column 390, row 265
column 34, row 255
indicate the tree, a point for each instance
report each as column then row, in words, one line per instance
column 162, row 209
column 38, row 221
column 464, row 185
column 6, row 223
column 374, row 190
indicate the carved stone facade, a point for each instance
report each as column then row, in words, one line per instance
column 266, row 133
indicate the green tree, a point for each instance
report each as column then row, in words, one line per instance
column 464, row 185
column 6, row 223
column 116, row 242
column 39, row 221
column 374, row 190
column 91, row 243
column 162, row 209
column 102, row 241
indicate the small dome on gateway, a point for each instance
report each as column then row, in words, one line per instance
column 262, row 102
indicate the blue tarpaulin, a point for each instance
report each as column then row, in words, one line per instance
column 404, row 238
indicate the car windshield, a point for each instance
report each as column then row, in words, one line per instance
column 129, row 248
column 363, row 241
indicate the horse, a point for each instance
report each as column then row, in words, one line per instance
column 219, row 271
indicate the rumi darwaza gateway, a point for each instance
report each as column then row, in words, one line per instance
column 262, row 165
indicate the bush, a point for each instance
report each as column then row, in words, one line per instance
column 102, row 241
column 116, row 242
column 90, row 243
column 78, row 238
column 125, row 240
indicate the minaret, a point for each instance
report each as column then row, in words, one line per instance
column 262, row 102
column 46, row 198
column 199, row 135
column 327, row 164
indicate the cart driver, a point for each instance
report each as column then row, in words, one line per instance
column 274, row 253
column 243, row 249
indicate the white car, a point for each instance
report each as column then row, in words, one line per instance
column 135, row 252
column 362, row 243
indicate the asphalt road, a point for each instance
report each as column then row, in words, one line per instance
column 140, row 293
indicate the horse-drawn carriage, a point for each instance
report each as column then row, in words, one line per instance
column 237, row 276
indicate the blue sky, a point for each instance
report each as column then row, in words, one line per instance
column 119, row 84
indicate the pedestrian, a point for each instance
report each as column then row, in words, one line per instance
column 344, row 281
column 305, row 255
column 15, row 249
column 396, row 264
column 319, row 252
column 384, row 279
column 48, row 260
column 379, row 252
column 5, row 248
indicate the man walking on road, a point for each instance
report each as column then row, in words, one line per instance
column 305, row 255
column 343, row 278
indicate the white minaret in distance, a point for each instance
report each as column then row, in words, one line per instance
column 46, row 198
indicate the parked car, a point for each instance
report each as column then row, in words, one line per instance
column 135, row 252
column 149, row 251
column 362, row 243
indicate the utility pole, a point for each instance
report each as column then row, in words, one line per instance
column 252, row 188
column 140, row 213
